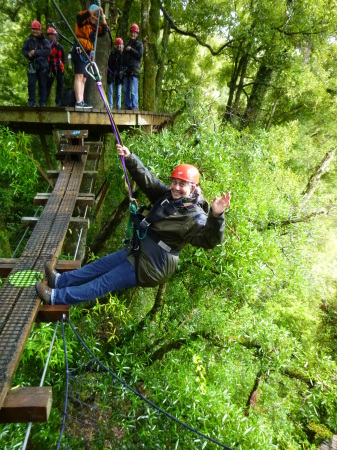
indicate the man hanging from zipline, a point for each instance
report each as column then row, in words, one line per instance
column 176, row 219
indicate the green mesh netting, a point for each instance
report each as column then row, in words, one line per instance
column 25, row 278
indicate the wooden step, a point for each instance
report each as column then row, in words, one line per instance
column 28, row 404
column 62, row 265
column 75, row 222
column 87, row 174
column 52, row 313
column 82, row 199
column 74, row 134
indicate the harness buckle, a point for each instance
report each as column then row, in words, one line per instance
column 164, row 202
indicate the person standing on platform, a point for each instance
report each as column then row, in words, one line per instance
column 85, row 30
column 56, row 61
column 115, row 73
column 36, row 49
column 132, row 56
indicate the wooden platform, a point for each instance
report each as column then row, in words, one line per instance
column 45, row 120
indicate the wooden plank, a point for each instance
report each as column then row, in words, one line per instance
column 74, row 134
column 77, row 222
column 29, row 404
column 87, row 174
column 82, row 199
column 52, row 313
column 63, row 265
column 67, row 149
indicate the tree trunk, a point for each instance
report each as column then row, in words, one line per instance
column 161, row 63
column 150, row 32
column 108, row 228
column 257, row 95
column 232, row 87
column 242, row 71
column 91, row 94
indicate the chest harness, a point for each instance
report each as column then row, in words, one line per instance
column 139, row 225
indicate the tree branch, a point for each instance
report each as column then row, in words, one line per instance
column 315, row 178
column 193, row 35
column 287, row 222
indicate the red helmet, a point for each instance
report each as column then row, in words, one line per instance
column 134, row 27
column 36, row 25
column 118, row 41
column 51, row 31
column 186, row 172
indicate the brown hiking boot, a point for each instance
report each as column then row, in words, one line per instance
column 51, row 273
column 44, row 292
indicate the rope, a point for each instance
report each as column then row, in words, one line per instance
column 24, row 445
column 116, row 133
column 137, row 394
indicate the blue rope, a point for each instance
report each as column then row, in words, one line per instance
column 157, row 408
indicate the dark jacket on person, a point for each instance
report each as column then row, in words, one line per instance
column 42, row 51
column 132, row 58
column 86, row 31
column 115, row 69
column 56, row 59
column 163, row 240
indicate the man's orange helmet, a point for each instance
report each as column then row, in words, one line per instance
column 186, row 172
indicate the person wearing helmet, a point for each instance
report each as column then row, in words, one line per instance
column 56, row 61
column 115, row 73
column 36, row 49
column 85, row 30
column 132, row 56
column 178, row 217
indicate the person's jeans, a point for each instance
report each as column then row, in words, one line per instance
column 130, row 91
column 118, row 90
column 108, row 274
column 40, row 76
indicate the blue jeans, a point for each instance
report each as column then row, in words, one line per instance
column 108, row 274
column 118, row 90
column 39, row 77
column 130, row 91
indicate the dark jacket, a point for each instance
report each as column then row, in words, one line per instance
column 115, row 69
column 189, row 225
column 42, row 51
column 86, row 31
column 56, row 59
column 132, row 58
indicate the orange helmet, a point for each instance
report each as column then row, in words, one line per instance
column 36, row 25
column 134, row 27
column 118, row 41
column 51, row 31
column 186, row 172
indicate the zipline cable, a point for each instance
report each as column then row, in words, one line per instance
column 94, row 73
column 60, row 34
column 157, row 408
